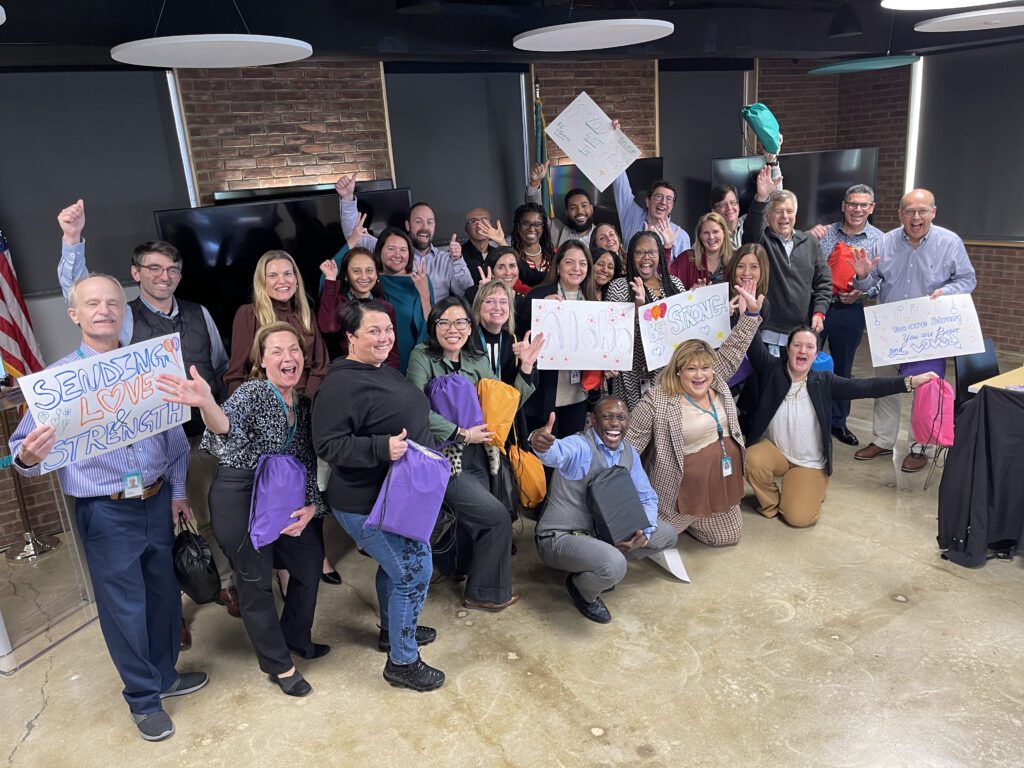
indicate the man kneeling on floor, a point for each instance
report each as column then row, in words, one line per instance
column 573, row 532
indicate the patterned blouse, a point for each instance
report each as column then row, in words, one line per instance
column 259, row 425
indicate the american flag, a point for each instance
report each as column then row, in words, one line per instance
column 21, row 354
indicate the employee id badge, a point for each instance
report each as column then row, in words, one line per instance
column 726, row 466
column 773, row 350
column 645, row 384
column 574, row 377
column 132, row 485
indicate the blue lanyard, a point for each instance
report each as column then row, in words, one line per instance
column 713, row 413
column 284, row 407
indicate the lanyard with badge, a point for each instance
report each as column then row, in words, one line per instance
column 575, row 377
column 295, row 423
column 713, row 413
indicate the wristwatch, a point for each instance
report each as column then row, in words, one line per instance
column 909, row 382
column 460, row 436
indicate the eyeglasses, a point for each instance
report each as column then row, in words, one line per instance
column 725, row 205
column 461, row 324
column 646, row 254
column 478, row 221
column 913, row 213
column 861, row 206
column 155, row 270
column 660, row 198
column 495, row 302
column 531, row 224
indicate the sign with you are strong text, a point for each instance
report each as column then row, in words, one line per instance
column 584, row 335
column 702, row 313
column 103, row 402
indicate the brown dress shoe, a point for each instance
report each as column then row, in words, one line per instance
column 492, row 607
column 914, row 462
column 186, row 636
column 871, row 451
column 229, row 599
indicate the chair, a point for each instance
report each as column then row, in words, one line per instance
column 970, row 369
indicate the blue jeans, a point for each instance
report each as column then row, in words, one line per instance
column 403, row 577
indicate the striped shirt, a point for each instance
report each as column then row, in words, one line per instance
column 164, row 455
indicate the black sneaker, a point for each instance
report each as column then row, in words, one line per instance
column 419, row 676
column 595, row 611
column 293, row 685
column 187, row 683
column 424, row 636
column 154, row 726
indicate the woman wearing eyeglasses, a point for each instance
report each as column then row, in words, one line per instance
column 647, row 279
column 531, row 237
column 481, row 518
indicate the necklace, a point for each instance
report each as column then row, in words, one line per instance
column 534, row 254
column 795, row 390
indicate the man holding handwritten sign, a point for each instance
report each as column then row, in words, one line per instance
column 916, row 260
column 127, row 498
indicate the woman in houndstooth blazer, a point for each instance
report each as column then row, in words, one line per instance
column 690, row 412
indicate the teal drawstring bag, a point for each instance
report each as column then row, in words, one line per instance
column 763, row 123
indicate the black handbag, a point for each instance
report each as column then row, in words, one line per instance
column 615, row 505
column 194, row 567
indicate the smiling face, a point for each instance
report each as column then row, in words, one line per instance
column 394, row 255
column 579, row 213
column 494, row 310
column 98, row 310
column 917, row 210
column 420, row 227
column 607, row 238
column 452, row 330
column 362, row 275
column 611, row 419
column 477, row 220
column 281, row 280
column 802, row 349
column 781, row 218
column 660, row 204
column 748, row 272
column 158, row 277
column 506, row 269
column 572, row 269
column 645, row 256
column 711, row 236
column 531, row 225
column 372, row 340
column 604, row 269
column 696, row 375
column 856, row 209
column 729, row 209
column 282, row 359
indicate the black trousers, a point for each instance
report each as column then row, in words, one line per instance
column 302, row 556
column 485, row 525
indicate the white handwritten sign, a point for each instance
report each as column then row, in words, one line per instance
column 699, row 314
column 584, row 132
column 584, row 335
column 923, row 329
column 103, row 402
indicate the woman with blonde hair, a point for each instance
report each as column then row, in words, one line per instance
column 705, row 263
column 689, row 415
column 278, row 295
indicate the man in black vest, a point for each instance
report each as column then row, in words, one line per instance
column 156, row 267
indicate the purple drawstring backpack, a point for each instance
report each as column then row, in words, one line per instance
column 410, row 499
column 454, row 397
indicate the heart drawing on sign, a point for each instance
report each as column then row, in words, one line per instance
column 705, row 330
column 110, row 399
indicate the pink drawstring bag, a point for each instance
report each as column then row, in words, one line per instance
column 932, row 420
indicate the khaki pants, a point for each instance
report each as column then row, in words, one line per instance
column 803, row 489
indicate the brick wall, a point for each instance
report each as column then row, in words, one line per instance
column 998, row 295
column 41, row 503
column 625, row 90
column 286, row 125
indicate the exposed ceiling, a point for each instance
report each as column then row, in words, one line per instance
column 60, row 33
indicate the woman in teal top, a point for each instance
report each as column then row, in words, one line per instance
column 484, row 525
column 406, row 287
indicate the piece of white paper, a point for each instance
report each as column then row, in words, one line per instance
column 584, row 132
column 104, row 402
column 584, row 335
column 671, row 561
column 702, row 313
column 923, row 329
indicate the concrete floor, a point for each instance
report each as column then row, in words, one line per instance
column 848, row 644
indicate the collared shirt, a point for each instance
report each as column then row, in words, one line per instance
column 571, row 457
column 72, row 267
column 865, row 239
column 632, row 217
column 448, row 276
column 939, row 261
column 159, row 456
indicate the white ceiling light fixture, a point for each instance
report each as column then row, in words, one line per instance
column 974, row 21
column 592, row 35
column 213, row 51
column 937, row 5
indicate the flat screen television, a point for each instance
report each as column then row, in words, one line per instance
column 818, row 179
column 221, row 244
column 641, row 174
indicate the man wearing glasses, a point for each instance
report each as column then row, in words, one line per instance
column 918, row 259
column 156, row 267
column 844, row 320
column 479, row 225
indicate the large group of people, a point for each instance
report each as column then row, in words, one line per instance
column 344, row 378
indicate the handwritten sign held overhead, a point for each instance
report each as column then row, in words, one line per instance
column 584, row 335
column 923, row 329
column 104, row 402
column 584, row 132
column 699, row 314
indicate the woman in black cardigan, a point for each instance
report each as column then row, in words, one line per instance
column 790, row 435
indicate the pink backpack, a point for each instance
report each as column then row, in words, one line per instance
column 932, row 420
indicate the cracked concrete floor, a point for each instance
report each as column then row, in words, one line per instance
column 849, row 644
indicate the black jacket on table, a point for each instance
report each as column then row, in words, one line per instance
column 773, row 383
column 357, row 409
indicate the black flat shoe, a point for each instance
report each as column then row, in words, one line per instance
column 843, row 435
column 293, row 685
column 595, row 611
column 418, row 676
column 331, row 577
column 424, row 636
column 319, row 650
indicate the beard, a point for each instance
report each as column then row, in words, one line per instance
column 580, row 228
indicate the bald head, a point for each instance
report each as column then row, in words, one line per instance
column 477, row 220
column 918, row 196
column 917, row 209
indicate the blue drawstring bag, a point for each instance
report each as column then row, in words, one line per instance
column 410, row 499
column 823, row 362
column 454, row 397
column 763, row 123
column 278, row 489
